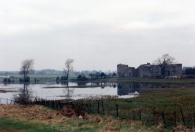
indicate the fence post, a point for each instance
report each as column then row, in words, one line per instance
column 90, row 106
column 87, row 107
column 72, row 105
column 55, row 104
column 98, row 107
column 154, row 117
column 35, row 100
column 175, row 119
column 182, row 117
column 194, row 119
column 140, row 114
column 108, row 109
column 50, row 103
column 163, row 117
column 102, row 106
column 7, row 101
column 116, row 110
column 133, row 112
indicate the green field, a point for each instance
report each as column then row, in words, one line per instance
column 175, row 103
column 40, row 77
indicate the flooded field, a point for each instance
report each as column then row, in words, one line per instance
column 73, row 90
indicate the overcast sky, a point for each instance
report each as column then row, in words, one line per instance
column 97, row 34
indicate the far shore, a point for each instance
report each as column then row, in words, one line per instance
column 52, row 78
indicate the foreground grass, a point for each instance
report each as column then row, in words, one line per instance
column 15, row 118
column 13, row 125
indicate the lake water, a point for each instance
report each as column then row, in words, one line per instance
column 120, row 90
column 39, row 90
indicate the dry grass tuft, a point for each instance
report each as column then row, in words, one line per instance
column 112, row 126
column 97, row 120
column 67, row 111
column 181, row 128
column 160, row 126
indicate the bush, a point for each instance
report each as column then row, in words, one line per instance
column 82, row 78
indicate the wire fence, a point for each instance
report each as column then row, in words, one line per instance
column 169, row 116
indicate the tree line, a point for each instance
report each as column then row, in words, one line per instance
column 164, row 61
column 27, row 68
column 190, row 71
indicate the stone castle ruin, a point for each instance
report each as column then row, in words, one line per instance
column 148, row 70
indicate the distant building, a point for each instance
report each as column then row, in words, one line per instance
column 125, row 71
column 148, row 70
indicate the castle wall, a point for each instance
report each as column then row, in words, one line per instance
column 121, row 70
column 147, row 70
column 125, row 71
column 156, row 70
column 175, row 69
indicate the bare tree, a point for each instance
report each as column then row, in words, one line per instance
column 27, row 68
column 68, row 67
column 164, row 61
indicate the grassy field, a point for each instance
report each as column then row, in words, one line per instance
column 13, row 125
column 145, row 80
column 153, row 104
column 40, row 77
column 161, row 100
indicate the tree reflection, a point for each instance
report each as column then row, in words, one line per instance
column 24, row 95
column 114, row 85
column 68, row 92
column 81, row 83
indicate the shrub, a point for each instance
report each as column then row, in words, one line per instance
column 82, row 78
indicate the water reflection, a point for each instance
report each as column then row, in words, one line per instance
column 24, row 95
column 82, row 83
column 72, row 90
column 64, row 83
column 127, row 88
column 131, row 88
column 68, row 92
